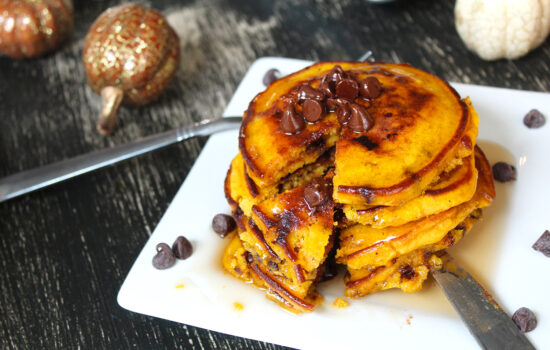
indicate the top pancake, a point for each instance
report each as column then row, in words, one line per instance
column 419, row 123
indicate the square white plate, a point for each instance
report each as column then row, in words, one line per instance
column 497, row 252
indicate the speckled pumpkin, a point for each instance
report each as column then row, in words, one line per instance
column 132, row 49
column 30, row 28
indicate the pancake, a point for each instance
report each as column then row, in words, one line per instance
column 408, row 271
column 242, row 191
column 363, row 245
column 451, row 189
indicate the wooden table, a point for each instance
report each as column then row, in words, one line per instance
column 65, row 250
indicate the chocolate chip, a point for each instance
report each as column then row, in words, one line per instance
column 343, row 113
column 248, row 257
column 543, row 244
column 291, row 123
column 360, row 119
column 312, row 110
column 504, row 172
column 164, row 258
column 370, row 87
column 327, row 88
column 316, row 192
column 525, row 319
column 270, row 76
column 534, row 119
column 335, row 74
column 330, row 270
column 182, row 248
column 334, row 103
column 347, row 88
column 223, row 224
column 306, row 92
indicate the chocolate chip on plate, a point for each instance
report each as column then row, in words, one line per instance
column 347, row 88
column 182, row 248
column 360, row 119
column 525, row 319
column 223, row 224
column 164, row 258
column 312, row 110
column 370, row 87
column 543, row 244
column 504, row 172
column 292, row 123
column 306, row 92
column 534, row 119
column 270, row 76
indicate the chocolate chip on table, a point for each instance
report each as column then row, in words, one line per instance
column 543, row 244
column 292, row 123
column 223, row 224
column 306, row 92
column 360, row 119
column 316, row 193
column 534, row 119
column 525, row 319
column 504, row 172
column 182, row 248
column 370, row 87
column 270, row 76
column 164, row 258
column 347, row 88
column 312, row 110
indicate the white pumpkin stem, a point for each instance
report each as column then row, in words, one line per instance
column 111, row 97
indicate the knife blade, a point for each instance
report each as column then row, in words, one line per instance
column 488, row 323
column 31, row 180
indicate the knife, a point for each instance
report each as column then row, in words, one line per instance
column 488, row 323
column 30, row 180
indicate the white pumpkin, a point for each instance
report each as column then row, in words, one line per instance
column 502, row 28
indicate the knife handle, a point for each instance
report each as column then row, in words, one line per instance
column 30, row 180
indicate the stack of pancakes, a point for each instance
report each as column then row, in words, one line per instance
column 374, row 165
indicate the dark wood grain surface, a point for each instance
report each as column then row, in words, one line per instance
column 65, row 250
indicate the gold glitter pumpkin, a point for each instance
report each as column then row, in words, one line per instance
column 30, row 28
column 130, row 55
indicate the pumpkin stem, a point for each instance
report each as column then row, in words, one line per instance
column 111, row 97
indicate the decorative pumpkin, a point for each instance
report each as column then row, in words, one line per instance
column 130, row 55
column 502, row 28
column 30, row 28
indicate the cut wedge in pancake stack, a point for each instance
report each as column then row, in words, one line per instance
column 378, row 161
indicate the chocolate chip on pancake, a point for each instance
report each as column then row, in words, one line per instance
column 343, row 113
column 335, row 74
column 370, row 87
column 360, row 119
column 543, row 244
column 306, row 92
column 312, row 110
column 334, row 103
column 164, row 258
column 292, row 123
column 504, row 172
column 223, row 224
column 347, row 88
column 270, row 76
column 182, row 248
column 316, row 192
column 534, row 119
column 325, row 88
